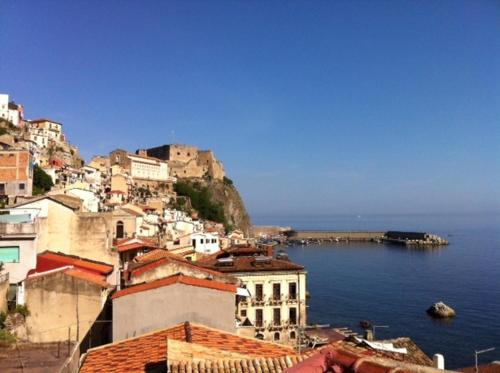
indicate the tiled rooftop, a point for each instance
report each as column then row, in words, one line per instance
column 176, row 279
column 133, row 354
column 248, row 264
column 48, row 260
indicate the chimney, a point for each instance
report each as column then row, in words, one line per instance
column 369, row 334
column 269, row 250
column 438, row 361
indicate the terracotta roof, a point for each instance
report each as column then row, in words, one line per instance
column 44, row 120
column 176, row 279
column 337, row 358
column 143, row 267
column 270, row 364
column 73, row 203
column 493, row 367
column 132, row 211
column 248, row 264
column 48, row 260
column 133, row 354
column 135, row 246
column 87, row 276
column 157, row 254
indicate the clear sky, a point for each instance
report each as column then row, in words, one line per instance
column 349, row 107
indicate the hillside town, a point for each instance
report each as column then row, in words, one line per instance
column 126, row 263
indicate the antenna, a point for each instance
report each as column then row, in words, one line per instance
column 476, row 353
column 172, row 134
column 377, row 326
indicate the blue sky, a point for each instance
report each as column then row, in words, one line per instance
column 348, row 107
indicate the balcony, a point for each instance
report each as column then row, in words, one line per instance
column 258, row 301
column 276, row 300
column 292, row 298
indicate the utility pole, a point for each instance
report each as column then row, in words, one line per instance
column 476, row 353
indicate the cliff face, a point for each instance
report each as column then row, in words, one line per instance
column 216, row 200
column 234, row 208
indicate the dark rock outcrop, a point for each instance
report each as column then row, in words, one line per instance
column 441, row 311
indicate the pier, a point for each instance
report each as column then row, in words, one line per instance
column 393, row 237
column 359, row 236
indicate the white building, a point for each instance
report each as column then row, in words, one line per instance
column 10, row 110
column 148, row 168
column 43, row 131
column 205, row 243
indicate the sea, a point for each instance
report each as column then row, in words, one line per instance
column 392, row 286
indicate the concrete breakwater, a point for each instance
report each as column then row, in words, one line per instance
column 393, row 237
column 294, row 235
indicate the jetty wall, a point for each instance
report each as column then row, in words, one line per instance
column 342, row 235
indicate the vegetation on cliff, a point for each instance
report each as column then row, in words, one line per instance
column 214, row 200
column 42, row 182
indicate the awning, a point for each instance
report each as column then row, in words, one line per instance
column 242, row 292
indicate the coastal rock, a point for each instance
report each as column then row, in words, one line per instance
column 441, row 310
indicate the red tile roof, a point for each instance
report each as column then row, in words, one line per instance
column 157, row 254
column 176, row 279
column 133, row 354
column 336, row 358
column 144, row 266
column 48, row 260
column 248, row 264
column 135, row 246
column 87, row 276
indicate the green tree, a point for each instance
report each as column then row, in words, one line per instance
column 42, row 182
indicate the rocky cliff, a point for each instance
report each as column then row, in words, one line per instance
column 216, row 200
column 234, row 208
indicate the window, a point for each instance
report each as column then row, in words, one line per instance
column 259, row 322
column 292, row 290
column 277, row 316
column 293, row 316
column 9, row 254
column 243, row 313
column 2, row 189
column 276, row 291
column 292, row 335
column 22, row 186
column 277, row 336
column 194, row 243
column 201, row 240
column 119, row 230
column 258, row 292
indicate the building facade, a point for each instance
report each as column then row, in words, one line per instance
column 276, row 308
column 16, row 173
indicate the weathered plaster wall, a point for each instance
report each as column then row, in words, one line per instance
column 56, row 301
column 173, row 304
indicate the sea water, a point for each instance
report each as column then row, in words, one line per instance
column 394, row 285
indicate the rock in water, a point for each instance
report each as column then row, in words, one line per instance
column 441, row 310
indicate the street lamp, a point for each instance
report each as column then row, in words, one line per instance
column 481, row 352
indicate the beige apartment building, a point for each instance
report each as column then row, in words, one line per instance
column 276, row 307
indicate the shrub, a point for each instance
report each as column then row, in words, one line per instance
column 22, row 309
column 6, row 338
column 42, row 182
column 228, row 181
